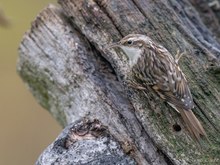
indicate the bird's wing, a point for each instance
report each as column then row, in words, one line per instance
column 178, row 92
column 169, row 81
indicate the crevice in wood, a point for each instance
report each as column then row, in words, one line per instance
column 103, row 8
column 190, row 37
column 143, row 13
column 206, row 116
column 208, row 16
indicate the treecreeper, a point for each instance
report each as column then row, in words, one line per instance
column 153, row 66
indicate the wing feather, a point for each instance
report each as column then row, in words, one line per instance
column 165, row 77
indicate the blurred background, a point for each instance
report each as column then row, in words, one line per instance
column 26, row 129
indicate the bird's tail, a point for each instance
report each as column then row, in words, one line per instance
column 194, row 126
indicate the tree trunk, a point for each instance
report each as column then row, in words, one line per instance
column 63, row 61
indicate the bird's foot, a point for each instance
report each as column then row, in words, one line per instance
column 179, row 55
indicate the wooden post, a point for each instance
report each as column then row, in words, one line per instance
column 63, row 61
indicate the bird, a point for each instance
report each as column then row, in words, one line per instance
column 153, row 66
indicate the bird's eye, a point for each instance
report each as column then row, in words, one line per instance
column 129, row 42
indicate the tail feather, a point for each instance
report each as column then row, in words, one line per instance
column 194, row 126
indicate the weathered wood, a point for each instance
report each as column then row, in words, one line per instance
column 85, row 142
column 68, row 77
column 63, row 61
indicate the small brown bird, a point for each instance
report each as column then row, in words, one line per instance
column 154, row 66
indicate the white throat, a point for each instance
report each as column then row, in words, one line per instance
column 132, row 53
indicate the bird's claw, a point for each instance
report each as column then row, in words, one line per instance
column 179, row 55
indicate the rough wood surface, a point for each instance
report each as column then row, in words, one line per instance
column 85, row 142
column 62, row 59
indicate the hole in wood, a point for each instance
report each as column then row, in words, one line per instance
column 177, row 127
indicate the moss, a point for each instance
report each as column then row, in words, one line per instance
column 40, row 84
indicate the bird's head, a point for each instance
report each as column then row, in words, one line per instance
column 132, row 45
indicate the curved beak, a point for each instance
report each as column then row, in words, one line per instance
column 113, row 45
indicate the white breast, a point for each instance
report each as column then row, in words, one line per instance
column 132, row 53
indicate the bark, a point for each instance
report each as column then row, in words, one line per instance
column 63, row 61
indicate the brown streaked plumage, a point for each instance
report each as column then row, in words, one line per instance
column 154, row 66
